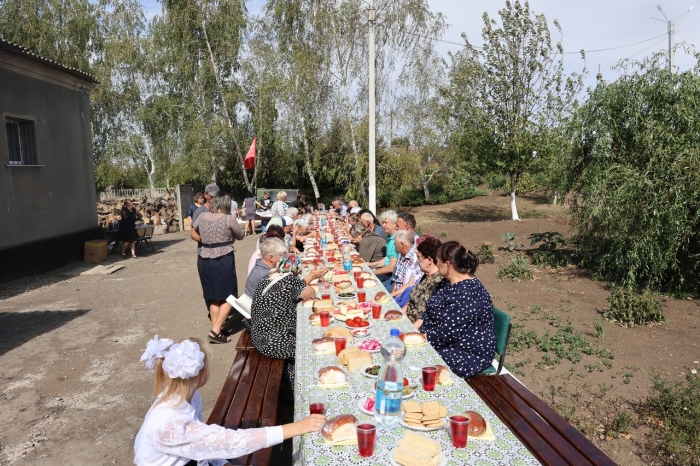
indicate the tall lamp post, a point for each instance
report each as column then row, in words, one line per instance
column 372, row 114
column 671, row 34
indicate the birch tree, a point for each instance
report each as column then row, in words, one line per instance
column 509, row 95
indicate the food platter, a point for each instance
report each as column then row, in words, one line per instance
column 364, row 369
column 422, row 429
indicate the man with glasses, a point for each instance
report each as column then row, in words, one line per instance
column 271, row 250
column 407, row 222
column 407, row 270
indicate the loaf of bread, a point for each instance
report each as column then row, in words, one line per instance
column 340, row 332
column 315, row 319
column 414, row 338
column 332, row 375
column 477, row 424
column 443, row 374
column 323, row 305
column 308, row 302
column 357, row 260
column 370, row 283
column 382, row 297
column 343, row 355
column 339, row 428
column 358, row 359
column 324, row 344
column 393, row 315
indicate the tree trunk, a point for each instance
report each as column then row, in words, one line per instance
column 513, row 184
column 225, row 107
column 554, row 202
column 152, row 160
column 307, row 157
column 426, row 191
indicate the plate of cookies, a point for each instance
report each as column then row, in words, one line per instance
column 423, row 417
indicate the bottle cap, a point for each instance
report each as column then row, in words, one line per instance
column 394, row 332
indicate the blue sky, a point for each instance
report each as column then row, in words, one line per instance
column 588, row 25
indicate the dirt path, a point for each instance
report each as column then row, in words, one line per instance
column 72, row 389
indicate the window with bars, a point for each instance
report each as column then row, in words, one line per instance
column 21, row 142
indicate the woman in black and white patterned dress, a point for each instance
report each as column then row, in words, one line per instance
column 274, row 313
column 458, row 319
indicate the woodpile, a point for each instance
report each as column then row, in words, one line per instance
column 160, row 212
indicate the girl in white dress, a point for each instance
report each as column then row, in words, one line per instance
column 173, row 433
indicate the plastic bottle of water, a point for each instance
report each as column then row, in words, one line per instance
column 387, row 407
column 347, row 260
column 324, row 241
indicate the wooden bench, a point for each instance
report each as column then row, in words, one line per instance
column 250, row 396
column 548, row 436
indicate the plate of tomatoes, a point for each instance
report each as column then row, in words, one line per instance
column 357, row 322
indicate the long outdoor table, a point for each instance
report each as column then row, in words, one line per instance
column 311, row 449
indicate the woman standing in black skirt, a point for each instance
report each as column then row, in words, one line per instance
column 127, row 227
column 216, row 230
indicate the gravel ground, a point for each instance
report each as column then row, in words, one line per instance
column 72, row 389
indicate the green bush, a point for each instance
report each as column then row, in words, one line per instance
column 515, row 271
column 556, row 258
column 484, row 252
column 527, row 184
column 633, row 169
column 632, row 308
column 499, row 183
column 673, row 411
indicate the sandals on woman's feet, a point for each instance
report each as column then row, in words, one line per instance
column 134, row 256
column 218, row 338
column 123, row 254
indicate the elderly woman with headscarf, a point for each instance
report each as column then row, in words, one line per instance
column 274, row 316
column 370, row 245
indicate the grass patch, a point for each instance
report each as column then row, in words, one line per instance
column 485, row 252
column 517, row 270
column 673, row 415
column 631, row 308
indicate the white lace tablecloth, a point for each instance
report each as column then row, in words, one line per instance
column 458, row 397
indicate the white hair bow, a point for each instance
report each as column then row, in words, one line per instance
column 183, row 360
column 155, row 349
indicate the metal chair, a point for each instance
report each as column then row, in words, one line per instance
column 145, row 236
column 501, row 327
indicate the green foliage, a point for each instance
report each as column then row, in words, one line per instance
column 527, row 184
column 599, row 328
column 511, row 244
column 499, row 183
column 547, row 254
column 444, row 234
column 484, row 252
column 620, row 424
column 517, row 270
column 569, row 344
column 673, row 414
column 631, row 168
column 631, row 308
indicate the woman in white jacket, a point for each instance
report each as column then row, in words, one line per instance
column 173, row 433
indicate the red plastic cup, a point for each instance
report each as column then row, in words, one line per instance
column 366, row 437
column 325, row 296
column 360, row 283
column 401, row 335
column 361, row 296
column 339, row 345
column 325, row 318
column 317, row 401
column 376, row 310
column 429, row 378
column 316, row 261
column 356, row 275
column 459, row 430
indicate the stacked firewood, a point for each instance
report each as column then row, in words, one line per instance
column 159, row 211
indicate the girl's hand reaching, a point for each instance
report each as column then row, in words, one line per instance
column 310, row 423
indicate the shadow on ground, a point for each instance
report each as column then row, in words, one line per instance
column 17, row 328
column 473, row 214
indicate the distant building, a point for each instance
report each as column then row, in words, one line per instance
column 47, row 180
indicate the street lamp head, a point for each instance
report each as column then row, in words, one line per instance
column 659, row 8
column 691, row 7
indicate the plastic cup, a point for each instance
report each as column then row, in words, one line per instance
column 361, row 296
column 325, row 296
column 401, row 336
column 356, row 275
column 459, row 430
column 317, row 401
column 366, row 437
column 340, row 345
column 429, row 378
column 316, row 261
column 325, row 318
column 360, row 282
column 376, row 310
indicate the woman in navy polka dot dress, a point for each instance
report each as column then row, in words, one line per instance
column 458, row 320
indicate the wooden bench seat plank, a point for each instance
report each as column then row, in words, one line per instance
column 223, row 402
column 243, row 340
column 269, row 412
column 245, row 385
column 561, row 425
column 516, row 423
column 540, row 424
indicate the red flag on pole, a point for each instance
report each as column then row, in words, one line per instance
column 249, row 161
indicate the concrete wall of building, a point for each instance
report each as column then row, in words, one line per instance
column 56, row 198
